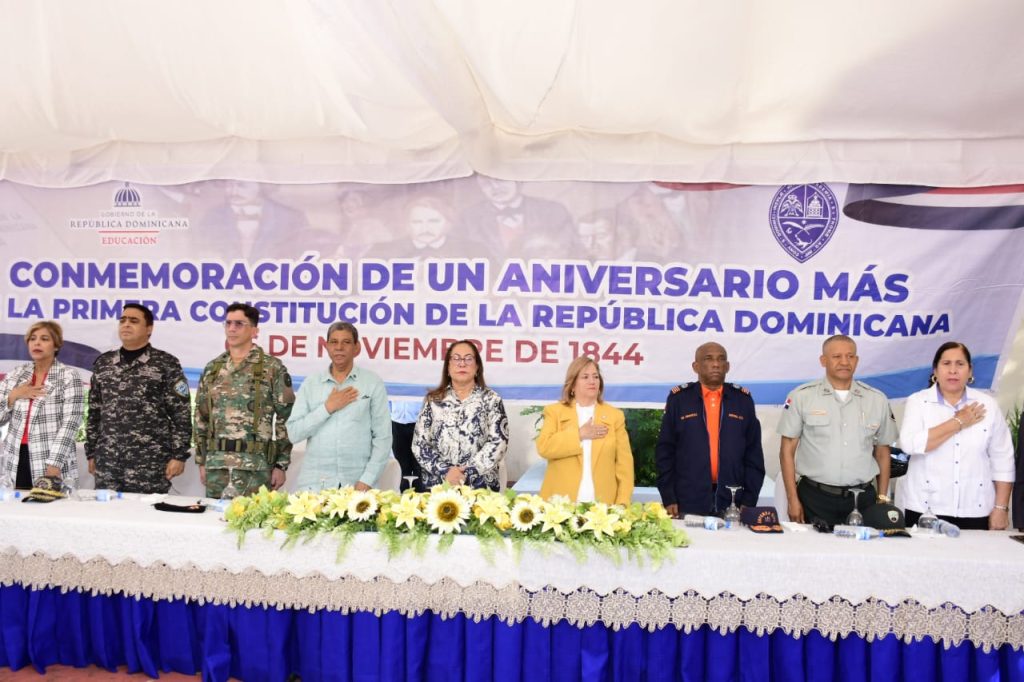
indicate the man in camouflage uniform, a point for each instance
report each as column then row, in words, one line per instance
column 140, row 419
column 244, row 398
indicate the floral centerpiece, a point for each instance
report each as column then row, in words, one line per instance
column 406, row 521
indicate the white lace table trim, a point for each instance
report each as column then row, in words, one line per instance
column 872, row 619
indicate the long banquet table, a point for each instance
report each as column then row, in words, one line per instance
column 120, row 583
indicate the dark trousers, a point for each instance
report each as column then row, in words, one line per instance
column 829, row 507
column 23, row 480
column 401, row 445
column 962, row 522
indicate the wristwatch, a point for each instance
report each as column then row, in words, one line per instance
column 282, row 467
column 883, row 499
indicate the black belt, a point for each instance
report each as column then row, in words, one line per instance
column 838, row 490
column 240, row 445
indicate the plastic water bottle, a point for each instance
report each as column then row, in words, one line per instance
column 9, row 494
column 950, row 530
column 106, row 495
column 706, row 522
column 857, row 532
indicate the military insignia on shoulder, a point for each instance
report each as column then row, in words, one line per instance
column 741, row 389
column 181, row 388
column 676, row 389
column 287, row 379
column 867, row 387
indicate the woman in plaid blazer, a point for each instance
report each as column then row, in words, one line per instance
column 46, row 395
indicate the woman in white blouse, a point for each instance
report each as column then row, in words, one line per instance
column 962, row 466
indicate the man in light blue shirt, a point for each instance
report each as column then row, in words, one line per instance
column 343, row 412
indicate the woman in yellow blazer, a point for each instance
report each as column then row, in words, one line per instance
column 585, row 441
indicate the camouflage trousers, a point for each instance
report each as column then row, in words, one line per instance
column 132, row 477
column 246, row 481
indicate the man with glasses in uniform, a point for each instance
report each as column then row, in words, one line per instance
column 244, row 399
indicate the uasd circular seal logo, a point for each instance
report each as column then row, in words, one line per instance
column 803, row 219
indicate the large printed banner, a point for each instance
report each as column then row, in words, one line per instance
column 637, row 275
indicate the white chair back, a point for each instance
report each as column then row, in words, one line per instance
column 781, row 503
column 391, row 477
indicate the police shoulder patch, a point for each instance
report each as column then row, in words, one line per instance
column 181, row 388
column 868, row 387
column 741, row 389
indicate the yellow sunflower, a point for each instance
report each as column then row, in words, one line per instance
column 525, row 515
column 447, row 511
column 362, row 505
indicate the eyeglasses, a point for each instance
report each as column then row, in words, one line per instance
column 228, row 324
column 462, row 359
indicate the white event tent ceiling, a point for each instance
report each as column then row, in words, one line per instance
column 926, row 92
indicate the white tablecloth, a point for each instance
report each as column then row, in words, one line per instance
column 792, row 581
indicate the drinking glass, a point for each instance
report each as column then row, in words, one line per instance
column 230, row 492
column 732, row 514
column 927, row 519
column 855, row 518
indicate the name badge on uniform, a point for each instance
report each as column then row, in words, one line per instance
column 735, row 416
column 818, row 413
column 689, row 416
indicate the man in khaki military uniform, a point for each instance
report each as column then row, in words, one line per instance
column 244, row 398
column 836, row 435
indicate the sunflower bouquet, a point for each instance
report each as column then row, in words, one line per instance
column 407, row 521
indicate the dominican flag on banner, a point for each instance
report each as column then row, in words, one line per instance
column 937, row 208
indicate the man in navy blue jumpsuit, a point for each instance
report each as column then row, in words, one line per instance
column 710, row 439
